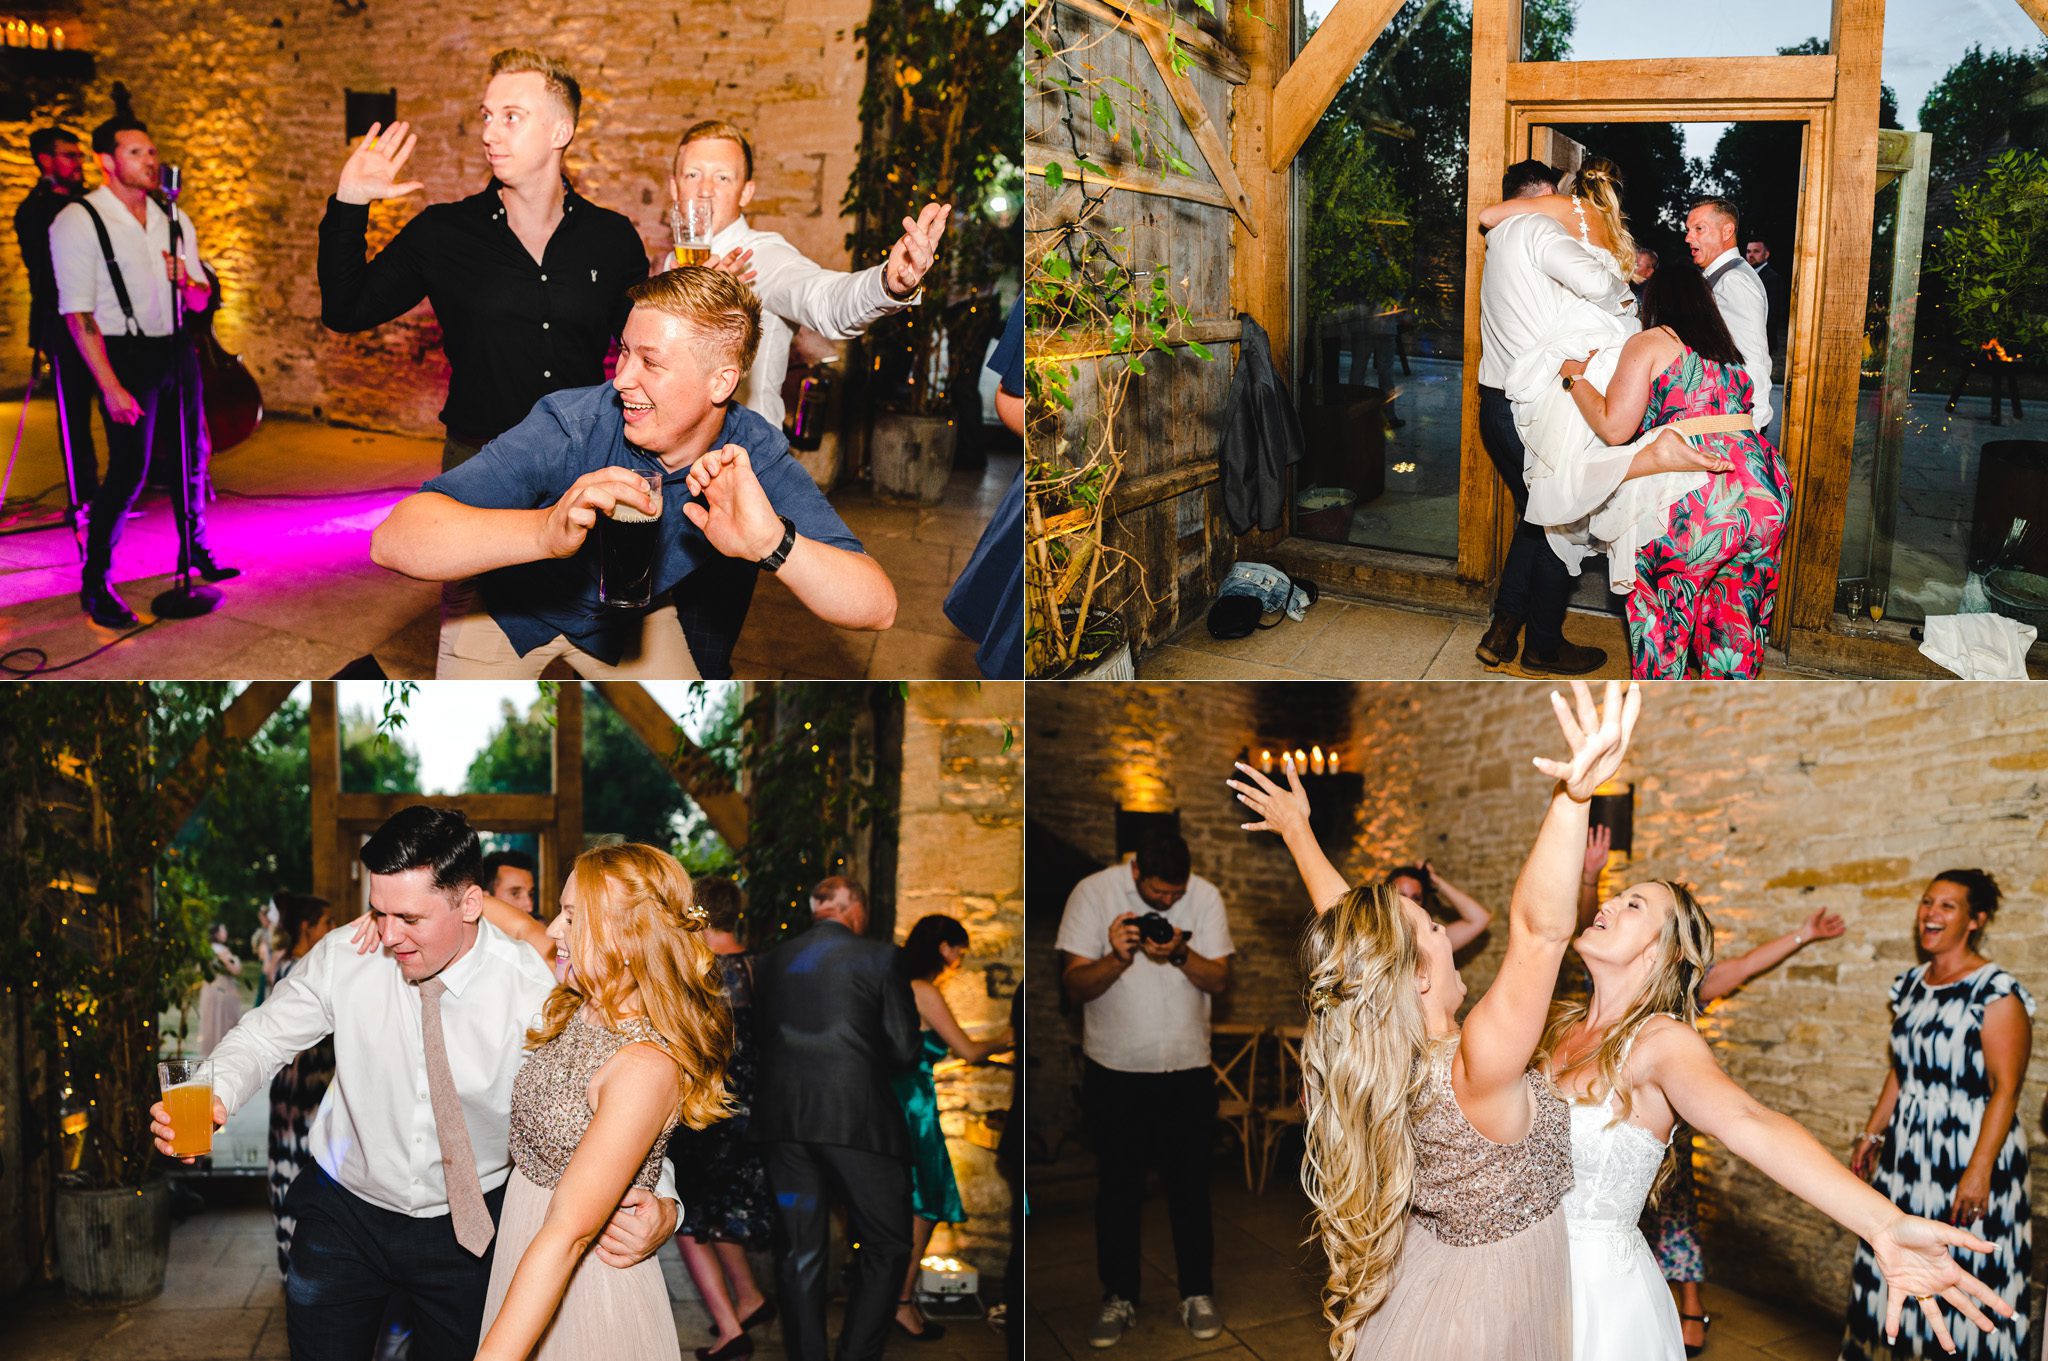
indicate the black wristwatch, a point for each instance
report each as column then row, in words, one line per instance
column 781, row 554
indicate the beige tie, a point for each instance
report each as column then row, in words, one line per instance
column 472, row 1218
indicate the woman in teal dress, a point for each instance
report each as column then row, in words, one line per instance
column 932, row 950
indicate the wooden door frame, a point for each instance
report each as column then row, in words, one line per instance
column 1834, row 95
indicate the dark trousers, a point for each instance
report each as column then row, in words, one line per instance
column 1139, row 1121
column 150, row 368
column 349, row 1259
column 875, row 1188
column 75, row 393
column 1534, row 585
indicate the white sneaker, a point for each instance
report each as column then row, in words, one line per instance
column 1199, row 1313
column 1118, row 1315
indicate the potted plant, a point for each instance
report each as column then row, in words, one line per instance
column 937, row 130
column 1994, row 256
column 96, row 950
column 1095, row 313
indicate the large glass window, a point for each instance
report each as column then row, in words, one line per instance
column 1380, row 289
column 1948, row 496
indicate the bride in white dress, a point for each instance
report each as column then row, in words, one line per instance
column 1632, row 1065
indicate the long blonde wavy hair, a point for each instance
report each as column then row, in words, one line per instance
column 1363, row 1073
column 637, row 939
column 1598, row 182
column 1685, row 951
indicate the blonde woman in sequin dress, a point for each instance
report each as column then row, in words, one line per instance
column 1632, row 1066
column 1437, row 1159
column 632, row 1043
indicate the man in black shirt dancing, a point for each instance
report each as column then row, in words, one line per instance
column 528, row 278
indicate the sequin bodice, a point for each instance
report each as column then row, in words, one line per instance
column 551, row 1100
column 1471, row 1190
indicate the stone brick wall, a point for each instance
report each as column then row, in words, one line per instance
column 1772, row 800
column 248, row 96
column 960, row 851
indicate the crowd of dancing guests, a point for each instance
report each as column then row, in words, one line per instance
column 1481, row 1177
column 596, row 1083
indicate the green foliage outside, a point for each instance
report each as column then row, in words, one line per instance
column 1985, row 102
column 941, row 126
column 100, row 931
column 627, row 792
column 1994, row 256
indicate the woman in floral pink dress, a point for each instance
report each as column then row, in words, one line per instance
column 1705, row 590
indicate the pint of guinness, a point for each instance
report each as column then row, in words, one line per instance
column 628, row 544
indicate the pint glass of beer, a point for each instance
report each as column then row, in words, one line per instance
column 628, row 545
column 689, row 223
column 188, row 1100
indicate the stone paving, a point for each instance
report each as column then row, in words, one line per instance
column 296, row 506
column 1267, row 1282
column 223, row 1299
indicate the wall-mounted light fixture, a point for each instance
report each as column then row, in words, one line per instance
column 1132, row 825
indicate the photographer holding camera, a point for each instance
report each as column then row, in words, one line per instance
column 1143, row 948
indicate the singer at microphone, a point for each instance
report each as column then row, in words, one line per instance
column 120, row 289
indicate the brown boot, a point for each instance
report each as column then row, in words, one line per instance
column 1502, row 638
column 1571, row 660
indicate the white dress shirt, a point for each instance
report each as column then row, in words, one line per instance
column 1151, row 1020
column 1745, row 308
column 1538, row 282
column 797, row 291
column 374, row 1132
column 83, row 284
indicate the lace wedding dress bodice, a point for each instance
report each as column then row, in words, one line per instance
column 1613, row 1167
column 1621, row 1310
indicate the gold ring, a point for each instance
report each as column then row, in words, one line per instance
column 1923, row 1298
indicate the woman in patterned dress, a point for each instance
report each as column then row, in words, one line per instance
column 1945, row 1139
column 296, row 1091
column 1706, row 588
column 727, row 1207
column 932, row 950
column 631, row 1045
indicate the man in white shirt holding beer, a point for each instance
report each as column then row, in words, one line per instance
column 714, row 162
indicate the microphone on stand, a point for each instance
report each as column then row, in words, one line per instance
column 186, row 599
column 171, row 181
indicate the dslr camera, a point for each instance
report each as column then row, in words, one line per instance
column 1154, row 926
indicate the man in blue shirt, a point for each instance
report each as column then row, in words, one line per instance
column 733, row 503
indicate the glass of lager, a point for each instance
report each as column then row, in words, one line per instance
column 188, row 1101
column 628, row 545
column 689, row 223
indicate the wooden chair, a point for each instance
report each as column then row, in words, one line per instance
column 1286, row 1111
column 1234, row 1060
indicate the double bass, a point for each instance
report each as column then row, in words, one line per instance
column 233, row 403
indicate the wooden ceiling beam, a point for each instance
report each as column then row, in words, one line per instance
column 245, row 717
column 724, row 807
column 1682, row 80
column 1325, row 62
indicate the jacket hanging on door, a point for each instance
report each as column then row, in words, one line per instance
column 1261, row 437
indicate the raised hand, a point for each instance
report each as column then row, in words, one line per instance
column 1599, row 841
column 1823, row 925
column 735, row 262
column 1599, row 737
column 913, row 253
column 736, row 515
column 1913, row 1257
column 1280, row 810
column 363, row 934
column 371, row 171
column 570, row 520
